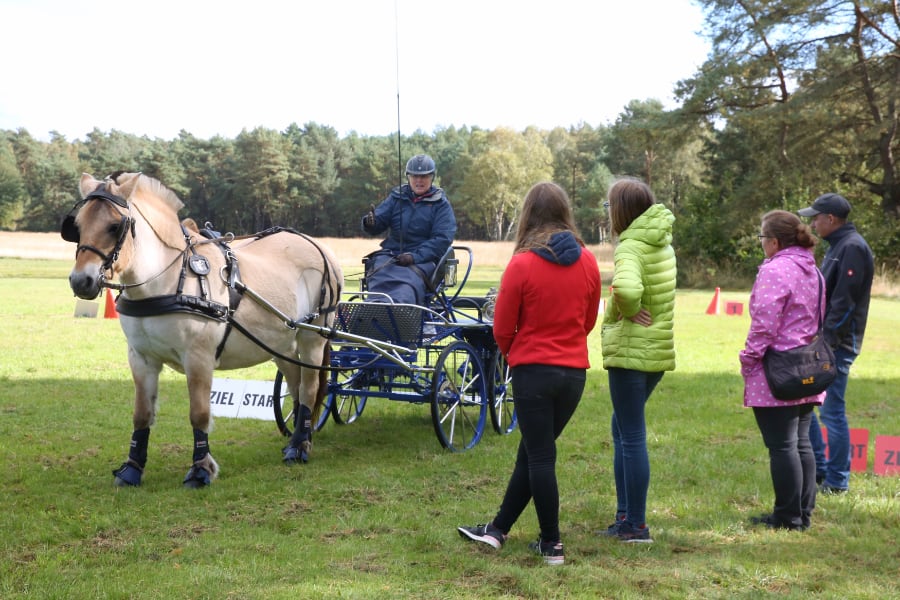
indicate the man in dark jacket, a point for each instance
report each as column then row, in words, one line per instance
column 422, row 226
column 848, row 268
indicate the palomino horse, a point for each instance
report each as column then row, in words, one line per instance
column 184, row 302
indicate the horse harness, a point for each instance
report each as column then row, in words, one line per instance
column 198, row 265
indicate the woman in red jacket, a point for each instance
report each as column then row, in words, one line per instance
column 547, row 305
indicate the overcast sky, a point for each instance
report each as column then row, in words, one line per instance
column 217, row 67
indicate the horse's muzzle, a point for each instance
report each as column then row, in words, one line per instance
column 85, row 285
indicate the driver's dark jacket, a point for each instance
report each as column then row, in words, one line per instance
column 424, row 226
column 848, row 268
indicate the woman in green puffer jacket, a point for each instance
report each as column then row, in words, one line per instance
column 638, row 341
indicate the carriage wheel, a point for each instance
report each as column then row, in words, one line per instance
column 344, row 397
column 503, row 408
column 286, row 408
column 458, row 397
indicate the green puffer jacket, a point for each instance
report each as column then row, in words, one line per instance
column 644, row 277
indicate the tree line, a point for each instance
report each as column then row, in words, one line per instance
column 796, row 98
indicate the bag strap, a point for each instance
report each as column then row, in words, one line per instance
column 819, row 301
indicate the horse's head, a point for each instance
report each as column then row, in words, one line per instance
column 101, row 224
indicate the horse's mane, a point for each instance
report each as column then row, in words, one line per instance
column 148, row 189
column 148, row 184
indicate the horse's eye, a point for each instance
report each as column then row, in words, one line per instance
column 113, row 230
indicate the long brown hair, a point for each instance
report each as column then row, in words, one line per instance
column 788, row 229
column 628, row 199
column 546, row 210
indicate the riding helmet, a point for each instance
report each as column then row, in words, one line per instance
column 420, row 164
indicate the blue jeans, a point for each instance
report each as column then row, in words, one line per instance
column 833, row 414
column 546, row 398
column 630, row 391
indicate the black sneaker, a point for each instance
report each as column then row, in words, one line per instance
column 552, row 552
column 612, row 530
column 765, row 519
column 771, row 522
column 486, row 534
column 633, row 535
column 830, row 490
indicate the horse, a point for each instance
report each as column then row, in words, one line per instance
column 198, row 304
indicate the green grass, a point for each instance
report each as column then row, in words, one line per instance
column 373, row 515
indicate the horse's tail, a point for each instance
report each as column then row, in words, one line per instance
column 323, row 384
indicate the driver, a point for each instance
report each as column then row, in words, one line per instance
column 422, row 226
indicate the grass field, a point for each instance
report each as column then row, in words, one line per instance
column 373, row 515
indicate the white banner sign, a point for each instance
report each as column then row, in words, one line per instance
column 242, row 399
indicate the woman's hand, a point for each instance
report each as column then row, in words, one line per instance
column 642, row 317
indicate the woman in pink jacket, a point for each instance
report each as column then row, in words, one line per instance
column 785, row 305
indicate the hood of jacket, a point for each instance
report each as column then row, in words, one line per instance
column 653, row 227
column 802, row 257
column 562, row 249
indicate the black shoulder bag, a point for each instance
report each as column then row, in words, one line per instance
column 803, row 371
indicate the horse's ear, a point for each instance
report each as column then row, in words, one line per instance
column 126, row 183
column 87, row 184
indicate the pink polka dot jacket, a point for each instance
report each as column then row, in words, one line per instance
column 782, row 316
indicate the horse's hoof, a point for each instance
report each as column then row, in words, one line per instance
column 127, row 476
column 294, row 455
column 197, row 477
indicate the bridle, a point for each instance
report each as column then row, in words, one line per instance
column 69, row 231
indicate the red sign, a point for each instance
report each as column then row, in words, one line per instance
column 887, row 455
column 859, row 448
column 734, row 308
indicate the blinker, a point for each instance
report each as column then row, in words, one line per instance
column 69, row 231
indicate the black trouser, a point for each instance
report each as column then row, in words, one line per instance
column 785, row 432
column 546, row 398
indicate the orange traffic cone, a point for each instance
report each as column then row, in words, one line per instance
column 713, row 308
column 110, row 312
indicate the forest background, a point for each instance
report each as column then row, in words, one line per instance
column 796, row 98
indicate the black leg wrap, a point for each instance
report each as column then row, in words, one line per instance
column 301, row 442
column 137, row 454
column 201, row 445
column 303, row 432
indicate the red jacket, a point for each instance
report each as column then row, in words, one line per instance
column 546, row 309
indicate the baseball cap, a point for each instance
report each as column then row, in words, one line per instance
column 830, row 204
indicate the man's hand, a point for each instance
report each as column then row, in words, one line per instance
column 404, row 260
column 369, row 219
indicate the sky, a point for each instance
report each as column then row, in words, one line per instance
column 366, row 66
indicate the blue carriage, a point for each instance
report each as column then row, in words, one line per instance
column 442, row 354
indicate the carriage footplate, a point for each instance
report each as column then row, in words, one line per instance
column 399, row 324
